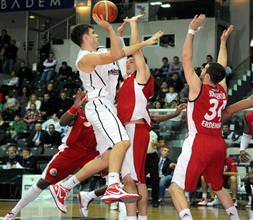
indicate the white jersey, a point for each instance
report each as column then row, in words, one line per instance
column 102, row 81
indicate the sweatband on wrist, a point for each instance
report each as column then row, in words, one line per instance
column 72, row 110
column 191, row 31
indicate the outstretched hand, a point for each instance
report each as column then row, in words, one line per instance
column 226, row 33
column 80, row 98
column 121, row 28
column 180, row 108
column 154, row 38
column 101, row 22
column 197, row 22
column 134, row 18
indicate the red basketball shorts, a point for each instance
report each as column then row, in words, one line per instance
column 134, row 161
column 66, row 162
column 202, row 155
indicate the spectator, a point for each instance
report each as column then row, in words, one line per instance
column 37, row 137
column 184, row 93
column 2, row 100
column 209, row 59
column 4, row 38
column 23, row 98
column 52, row 92
column 64, row 102
column 49, row 68
column 52, row 137
column 47, row 107
column 177, row 67
column 152, row 167
column 248, row 184
column 18, row 127
column 163, row 90
column 28, row 161
column 229, row 135
column 166, row 168
column 32, row 115
column 13, row 81
column 24, row 73
column 176, row 82
column 33, row 100
column 157, row 105
column 10, row 107
column 53, row 120
column 9, row 57
column 3, row 128
column 64, row 70
column 164, row 70
column 12, row 160
column 171, row 95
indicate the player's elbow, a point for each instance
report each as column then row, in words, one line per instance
column 186, row 56
column 116, row 55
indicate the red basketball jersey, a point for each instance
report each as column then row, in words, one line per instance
column 249, row 121
column 133, row 100
column 81, row 134
column 204, row 114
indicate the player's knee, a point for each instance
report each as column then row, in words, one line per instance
column 43, row 184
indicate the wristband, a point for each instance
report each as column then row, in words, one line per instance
column 191, row 31
column 72, row 110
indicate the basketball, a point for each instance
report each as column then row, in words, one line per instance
column 107, row 9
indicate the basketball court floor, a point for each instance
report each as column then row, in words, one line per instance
column 46, row 210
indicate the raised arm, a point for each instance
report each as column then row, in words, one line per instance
column 190, row 75
column 89, row 61
column 236, row 107
column 68, row 117
column 143, row 72
column 223, row 55
column 161, row 118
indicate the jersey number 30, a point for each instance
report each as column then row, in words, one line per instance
column 215, row 110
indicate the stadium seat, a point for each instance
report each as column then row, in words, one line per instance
column 3, row 152
column 22, row 143
column 35, row 151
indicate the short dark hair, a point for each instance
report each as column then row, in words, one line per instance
column 64, row 63
column 27, row 149
column 78, row 32
column 165, row 58
column 216, row 71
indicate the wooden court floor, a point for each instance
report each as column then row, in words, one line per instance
column 46, row 210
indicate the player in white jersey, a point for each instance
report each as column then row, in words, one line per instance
column 100, row 111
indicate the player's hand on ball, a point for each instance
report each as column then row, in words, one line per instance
column 102, row 22
column 197, row 22
column 244, row 156
column 226, row 33
column 134, row 18
column 154, row 38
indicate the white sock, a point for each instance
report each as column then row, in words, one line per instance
column 70, row 183
column 142, row 217
column 245, row 140
column 131, row 217
column 232, row 213
column 28, row 197
column 113, row 177
column 204, row 195
column 185, row 214
column 92, row 194
column 249, row 197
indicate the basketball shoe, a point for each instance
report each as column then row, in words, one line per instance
column 115, row 193
column 9, row 216
column 84, row 200
column 202, row 202
column 60, row 195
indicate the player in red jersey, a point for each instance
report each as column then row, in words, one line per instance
column 78, row 148
column 204, row 150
